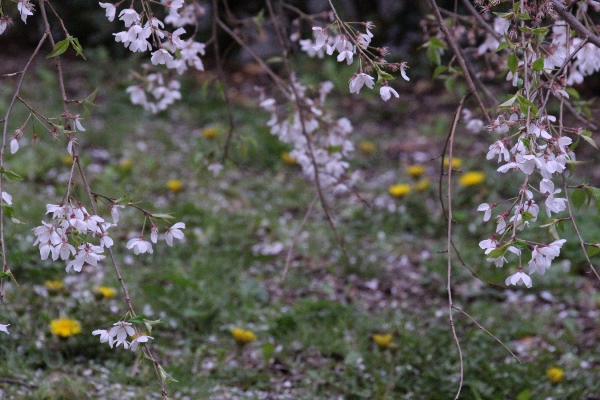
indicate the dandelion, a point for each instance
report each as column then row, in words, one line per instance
column 456, row 163
column 54, row 286
column 210, row 133
column 472, row 178
column 242, row 336
column 399, row 190
column 366, row 146
column 65, row 327
column 174, row 185
column 125, row 164
column 288, row 159
column 415, row 171
column 555, row 374
column 67, row 159
column 384, row 341
column 105, row 292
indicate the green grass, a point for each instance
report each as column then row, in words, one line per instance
column 314, row 330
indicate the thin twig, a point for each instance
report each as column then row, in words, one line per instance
column 579, row 237
column 449, row 239
column 486, row 331
column 288, row 258
column 575, row 24
column 221, row 78
column 461, row 60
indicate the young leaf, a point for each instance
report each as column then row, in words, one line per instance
column 59, row 48
column 578, row 198
column 513, row 63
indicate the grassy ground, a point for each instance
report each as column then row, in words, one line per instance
column 315, row 328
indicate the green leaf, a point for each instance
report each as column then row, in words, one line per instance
column 382, row 75
column 164, row 376
column 573, row 93
column 538, row 64
column 162, row 216
column 595, row 193
column 509, row 102
column 513, row 63
column 578, row 197
column 10, row 175
column 5, row 274
column 440, row 69
column 526, row 104
column 76, row 46
column 9, row 211
column 586, row 135
column 59, row 48
column 501, row 47
column 499, row 252
column 593, row 250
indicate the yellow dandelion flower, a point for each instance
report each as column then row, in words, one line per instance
column 366, row 146
column 555, row 374
column 125, row 164
column 105, row 292
column 415, row 171
column 422, row 185
column 399, row 190
column 472, row 178
column 67, row 159
column 210, row 132
column 456, row 162
column 54, row 286
column 174, row 185
column 287, row 159
column 65, row 327
column 242, row 336
column 384, row 341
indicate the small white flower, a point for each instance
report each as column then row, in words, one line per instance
column 120, row 331
column 520, row 278
column 129, row 16
column 386, row 93
column 110, row 10
column 24, row 7
column 4, row 328
column 154, row 234
column 14, row 145
column 139, row 245
column 104, row 336
column 140, row 339
column 161, row 56
column 174, row 232
column 403, row 67
column 357, row 82
column 345, row 55
column 487, row 208
column 7, row 198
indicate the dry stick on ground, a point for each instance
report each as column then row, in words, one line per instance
column 461, row 60
column 449, row 239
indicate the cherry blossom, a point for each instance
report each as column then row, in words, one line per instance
column 4, row 328
column 140, row 339
column 360, row 79
column 386, row 92
column 110, row 10
column 174, row 232
column 520, row 278
column 140, row 246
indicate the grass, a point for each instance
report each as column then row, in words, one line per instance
column 314, row 330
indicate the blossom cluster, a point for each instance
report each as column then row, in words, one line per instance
column 73, row 223
column 352, row 43
column 118, row 334
column 146, row 33
column 533, row 144
column 317, row 138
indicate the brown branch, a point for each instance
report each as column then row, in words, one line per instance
column 288, row 258
column 461, row 60
column 449, row 239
